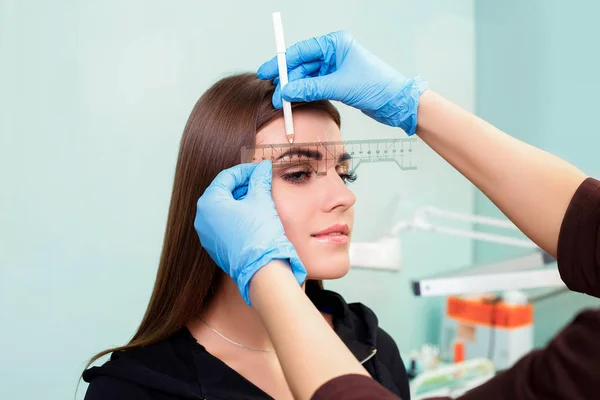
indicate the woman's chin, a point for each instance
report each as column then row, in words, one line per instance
column 327, row 272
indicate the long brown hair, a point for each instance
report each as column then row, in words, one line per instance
column 225, row 118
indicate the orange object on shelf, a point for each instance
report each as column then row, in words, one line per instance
column 459, row 351
column 483, row 312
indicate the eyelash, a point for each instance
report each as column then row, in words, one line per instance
column 292, row 177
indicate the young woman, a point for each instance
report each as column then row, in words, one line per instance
column 199, row 337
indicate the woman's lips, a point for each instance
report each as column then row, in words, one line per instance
column 332, row 238
column 335, row 234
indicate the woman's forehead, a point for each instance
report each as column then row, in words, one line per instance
column 309, row 126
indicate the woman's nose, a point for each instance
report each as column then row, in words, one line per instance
column 338, row 195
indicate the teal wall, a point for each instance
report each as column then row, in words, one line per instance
column 537, row 78
column 94, row 96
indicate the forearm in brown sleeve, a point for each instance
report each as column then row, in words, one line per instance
column 353, row 387
column 579, row 240
column 356, row 387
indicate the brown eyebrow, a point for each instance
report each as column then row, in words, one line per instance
column 344, row 157
column 302, row 152
column 317, row 155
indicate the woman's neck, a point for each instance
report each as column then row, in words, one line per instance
column 229, row 314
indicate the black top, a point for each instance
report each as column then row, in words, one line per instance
column 568, row 368
column 181, row 368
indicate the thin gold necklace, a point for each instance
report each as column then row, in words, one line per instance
column 234, row 342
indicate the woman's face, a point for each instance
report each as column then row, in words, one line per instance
column 317, row 210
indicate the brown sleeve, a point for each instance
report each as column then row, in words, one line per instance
column 353, row 387
column 568, row 368
column 579, row 240
column 356, row 387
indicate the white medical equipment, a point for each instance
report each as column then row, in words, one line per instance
column 524, row 272
column 452, row 380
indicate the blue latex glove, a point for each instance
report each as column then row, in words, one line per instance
column 336, row 67
column 242, row 234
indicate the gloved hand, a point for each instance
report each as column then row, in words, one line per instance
column 336, row 67
column 243, row 235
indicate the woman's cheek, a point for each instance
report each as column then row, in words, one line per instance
column 291, row 211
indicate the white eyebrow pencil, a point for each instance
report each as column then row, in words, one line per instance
column 283, row 75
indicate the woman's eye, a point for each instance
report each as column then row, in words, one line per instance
column 349, row 178
column 344, row 173
column 302, row 176
column 298, row 176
